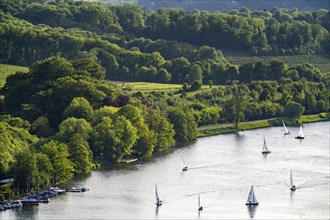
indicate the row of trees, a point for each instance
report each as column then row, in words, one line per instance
column 279, row 31
column 144, row 61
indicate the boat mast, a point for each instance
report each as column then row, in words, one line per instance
column 199, row 202
column 265, row 146
column 157, row 198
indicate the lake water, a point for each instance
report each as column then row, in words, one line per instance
column 221, row 169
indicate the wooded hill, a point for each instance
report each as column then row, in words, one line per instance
column 65, row 112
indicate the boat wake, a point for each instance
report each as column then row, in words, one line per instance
column 315, row 182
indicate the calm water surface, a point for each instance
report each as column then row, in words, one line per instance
column 221, row 169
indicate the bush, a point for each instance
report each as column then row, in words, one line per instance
column 197, row 85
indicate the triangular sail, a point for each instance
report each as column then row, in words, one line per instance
column 285, row 129
column 252, row 198
column 301, row 132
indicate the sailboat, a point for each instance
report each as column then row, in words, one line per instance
column 200, row 208
column 292, row 187
column 286, row 131
column 158, row 201
column 185, row 168
column 252, row 200
column 300, row 134
column 265, row 150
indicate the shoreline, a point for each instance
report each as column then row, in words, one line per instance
column 211, row 130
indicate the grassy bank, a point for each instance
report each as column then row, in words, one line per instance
column 206, row 131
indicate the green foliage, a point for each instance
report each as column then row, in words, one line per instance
column 184, row 124
column 13, row 140
column 75, row 133
column 195, row 74
column 58, row 155
column 25, row 169
column 293, row 110
column 79, row 108
column 7, row 70
column 196, row 85
column 114, row 138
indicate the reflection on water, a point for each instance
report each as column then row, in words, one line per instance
column 221, row 169
column 252, row 210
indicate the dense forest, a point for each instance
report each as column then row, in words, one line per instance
column 229, row 5
column 65, row 112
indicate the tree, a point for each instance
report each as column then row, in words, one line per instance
column 45, row 170
column 197, row 85
column 58, row 153
column 41, row 128
column 115, row 138
column 25, row 169
column 89, row 67
column 75, row 133
column 146, row 139
column 184, row 124
column 79, row 108
column 293, row 110
column 163, row 129
column 195, row 74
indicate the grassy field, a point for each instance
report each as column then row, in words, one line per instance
column 159, row 87
column 6, row 70
column 241, row 57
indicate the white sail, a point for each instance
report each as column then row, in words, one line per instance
column 286, row 131
column 291, row 181
column 301, row 132
column 252, row 198
column 184, row 164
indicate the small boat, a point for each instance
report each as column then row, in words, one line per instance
column 200, row 208
column 158, row 201
column 74, row 189
column 252, row 200
column 286, row 131
column 300, row 134
column 265, row 150
column 292, row 187
column 185, row 168
column 57, row 190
